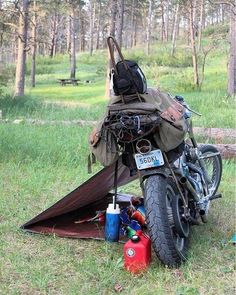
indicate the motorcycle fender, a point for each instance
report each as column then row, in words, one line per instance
column 154, row 171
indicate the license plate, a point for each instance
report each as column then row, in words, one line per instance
column 152, row 159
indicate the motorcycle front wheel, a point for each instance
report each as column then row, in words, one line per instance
column 213, row 167
column 169, row 242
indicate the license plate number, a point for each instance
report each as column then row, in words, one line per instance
column 152, row 159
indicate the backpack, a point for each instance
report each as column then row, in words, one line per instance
column 126, row 76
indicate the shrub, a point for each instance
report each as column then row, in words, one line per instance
column 137, row 55
column 101, row 70
column 40, row 68
column 44, row 64
column 47, row 60
column 5, row 77
column 182, row 58
column 24, row 104
column 98, row 57
column 184, row 82
column 221, row 29
column 151, row 72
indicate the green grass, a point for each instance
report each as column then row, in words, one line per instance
column 41, row 164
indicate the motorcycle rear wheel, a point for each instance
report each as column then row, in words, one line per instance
column 170, row 247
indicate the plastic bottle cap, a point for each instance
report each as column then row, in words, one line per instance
column 112, row 210
column 135, row 239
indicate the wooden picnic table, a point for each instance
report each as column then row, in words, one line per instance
column 74, row 82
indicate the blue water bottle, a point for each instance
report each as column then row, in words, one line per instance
column 112, row 226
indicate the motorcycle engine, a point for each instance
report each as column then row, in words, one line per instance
column 196, row 178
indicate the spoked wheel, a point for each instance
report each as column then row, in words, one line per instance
column 213, row 167
column 168, row 230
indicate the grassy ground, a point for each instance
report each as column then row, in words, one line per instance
column 86, row 101
column 40, row 164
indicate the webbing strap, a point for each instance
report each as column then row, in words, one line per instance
column 112, row 39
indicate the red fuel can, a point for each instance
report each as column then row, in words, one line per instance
column 137, row 253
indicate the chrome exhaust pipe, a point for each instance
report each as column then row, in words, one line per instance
column 184, row 181
column 143, row 146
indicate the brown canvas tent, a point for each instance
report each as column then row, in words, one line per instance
column 84, row 201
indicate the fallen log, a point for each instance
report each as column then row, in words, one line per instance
column 227, row 151
column 49, row 122
column 216, row 133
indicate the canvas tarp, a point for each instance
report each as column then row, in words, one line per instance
column 84, row 201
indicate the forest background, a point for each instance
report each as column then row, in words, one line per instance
column 185, row 47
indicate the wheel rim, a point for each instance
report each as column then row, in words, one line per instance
column 212, row 166
column 178, row 240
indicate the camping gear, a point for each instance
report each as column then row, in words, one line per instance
column 134, row 112
column 159, row 114
column 132, row 217
column 83, row 202
column 139, row 215
column 103, row 145
column 127, row 77
column 132, row 228
column 99, row 217
column 154, row 135
column 154, row 141
column 137, row 253
column 112, row 226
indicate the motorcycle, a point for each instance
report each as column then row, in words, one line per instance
column 178, row 186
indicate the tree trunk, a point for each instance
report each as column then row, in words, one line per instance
column 73, row 51
column 83, row 42
column 167, row 20
column 202, row 9
column 81, row 30
column 91, row 27
column 68, row 37
column 175, row 29
column 22, row 45
column 44, row 49
column 163, row 33
column 149, row 27
column 193, row 45
column 222, row 13
column 98, row 24
column 119, row 25
column 134, row 39
column 33, row 64
column 232, row 57
column 113, row 9
column 54, row 36
column 132, row 24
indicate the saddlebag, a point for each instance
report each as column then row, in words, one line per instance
column 169, row 132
